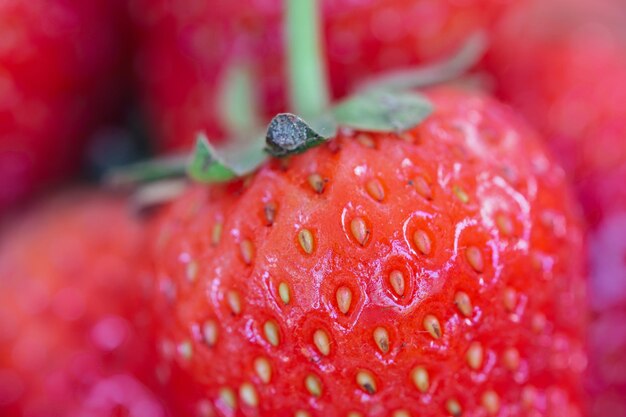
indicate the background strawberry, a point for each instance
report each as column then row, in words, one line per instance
column 188, row 50
column 62, row 76
column 435, row 272
column 563, row 64
column 76, row 337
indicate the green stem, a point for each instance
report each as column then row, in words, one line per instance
column 307, row 65
column 238, row 104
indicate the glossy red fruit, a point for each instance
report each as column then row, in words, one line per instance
column 188, row 49
column 563, row 65
column 62, row 66
column 76, row 337
column 435, row 272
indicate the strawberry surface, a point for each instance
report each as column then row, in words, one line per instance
column 564, row 68
column 76, row 336
column 435, row 272
column 188, row 49
column 62, row 72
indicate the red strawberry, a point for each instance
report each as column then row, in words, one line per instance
column 436, row 272
column 190, row 48
column 75, row 339
column 61, row 71
column 568, row 76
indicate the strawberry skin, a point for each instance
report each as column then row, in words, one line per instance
column 567, row 75
column 436, row 272
column 75, row 338
column 62, row 76
column 186, row 51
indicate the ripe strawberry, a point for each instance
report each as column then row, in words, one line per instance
column 568, row 76
column 61, row 77
column 188, row 51
column 75, row 340
column 435, row 272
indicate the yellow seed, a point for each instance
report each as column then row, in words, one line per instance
column 359, row 230
column 461, row 194
column 365, row 381
column 420, row 378
column 317, row 183
column 248, row 394
column 216, row 233
column 365, row 140
column 463, row 303
column 408, row 137
column 305, row 237
column 422, row 187
column 396, row 279
column 475, row 258
column 209, row 332
column 228, row 397
column 509, row 298
column 474, row 355
column 453, row 407
column 529, row 395
column 511, row 359
column 301, row 413
column 491, row 401
column 192, row 271
column 247, row 251
column 354, row 414
column 375, row 189
column 263, row 369
column 234, row 301
column 344, row 299
column 313, row 385
column 401, row 413
column 270, row 213
column 432, row 326
column 270, row 329
column 505, row 224
column 284, row 293
column 322, row 342
column 539, row 322
column 381, row 337
column 422, row 242
column 185, row 349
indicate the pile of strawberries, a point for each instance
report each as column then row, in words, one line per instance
column 447, row 238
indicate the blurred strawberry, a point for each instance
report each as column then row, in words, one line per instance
column 76, row 336
column 62, row 65
column 189, row 51
column 563, row 65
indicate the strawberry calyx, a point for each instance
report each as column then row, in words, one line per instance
column 288, row 134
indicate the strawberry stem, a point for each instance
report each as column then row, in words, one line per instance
column 308, row 80
column 238, row 104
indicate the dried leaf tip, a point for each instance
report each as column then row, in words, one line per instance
column 288, row 134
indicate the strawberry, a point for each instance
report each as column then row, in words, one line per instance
column 76, row 340
column 189, row 51
column 567, row 74
column 432, row 272
column 62, row 77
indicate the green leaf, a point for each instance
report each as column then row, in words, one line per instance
column 445, row 70
column 383, row 111
column 237, row 158
column 288, row 134
column 147, row 171
column 205, row 165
